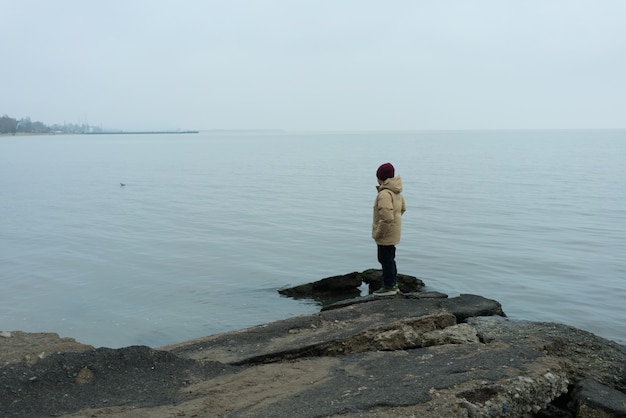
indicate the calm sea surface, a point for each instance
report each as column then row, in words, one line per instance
column 210, row 226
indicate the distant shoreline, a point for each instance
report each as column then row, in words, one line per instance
column 32, row 134
column 191, row 131
column 268, row 131
column 99, row 133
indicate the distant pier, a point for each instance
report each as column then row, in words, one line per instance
column 140, row 132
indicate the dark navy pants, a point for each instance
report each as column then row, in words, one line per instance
column 387, row 259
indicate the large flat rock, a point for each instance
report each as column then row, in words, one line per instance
column 347, row 329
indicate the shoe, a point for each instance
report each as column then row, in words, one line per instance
column 386, row 291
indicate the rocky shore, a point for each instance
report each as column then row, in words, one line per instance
column 416, row 354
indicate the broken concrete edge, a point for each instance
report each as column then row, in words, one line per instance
column 594, row 366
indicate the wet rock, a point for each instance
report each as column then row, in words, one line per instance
column 335, row 284
column 595, row 400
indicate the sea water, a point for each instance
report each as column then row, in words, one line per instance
column 207, row 227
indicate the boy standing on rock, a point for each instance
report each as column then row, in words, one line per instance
column 387, row 225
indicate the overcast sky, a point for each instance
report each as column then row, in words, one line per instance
column 315, row 64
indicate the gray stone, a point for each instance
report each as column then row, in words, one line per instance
column 454, row 334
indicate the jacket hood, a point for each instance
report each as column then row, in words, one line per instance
column 393, row 184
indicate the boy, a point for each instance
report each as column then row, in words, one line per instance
column 387, row 225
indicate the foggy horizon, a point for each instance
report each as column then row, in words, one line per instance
column 323, row 66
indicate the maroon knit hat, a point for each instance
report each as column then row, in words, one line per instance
column 385, row 171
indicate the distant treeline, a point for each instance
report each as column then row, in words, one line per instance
column 9, row 125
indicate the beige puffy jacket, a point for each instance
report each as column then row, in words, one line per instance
column 388, row 209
